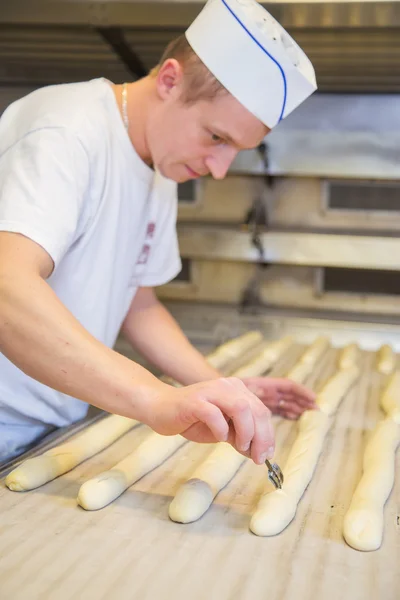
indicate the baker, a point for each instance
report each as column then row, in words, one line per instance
column 88, row 207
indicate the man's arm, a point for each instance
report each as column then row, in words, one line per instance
column 152, row 330
column 41, row 337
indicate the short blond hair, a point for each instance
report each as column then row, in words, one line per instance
column 199, row 82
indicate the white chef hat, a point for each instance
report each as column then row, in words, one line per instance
column 253, row 57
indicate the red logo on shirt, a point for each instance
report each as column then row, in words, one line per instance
column 151, row 227
column 145, row 251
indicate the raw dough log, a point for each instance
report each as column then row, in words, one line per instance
column 300, row 372
column 265, row 359
column 336, row 388
column 315, row 351
column 349, row 356
column 37, row 471
column 390, row 399
column 387, row 360
column 363, row 522
column 232, row 349
column 223, row 355
column 195, row 496
column 277, row 509
column 106, row 487
column 308, row 360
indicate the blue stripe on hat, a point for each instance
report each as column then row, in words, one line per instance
column 267, row 53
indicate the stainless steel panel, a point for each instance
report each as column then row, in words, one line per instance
column 355, row 136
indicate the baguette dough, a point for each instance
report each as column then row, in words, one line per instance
column 265, row 359
column 387, row 360
column 390, row 399
column 37, row 471
column 315, row 351
column 308, row 360
column 349, row 356
column 106, row 487
column 336, row 388
column 232, row 349
column 195, row 496
column 363, row 522
column 300, row 372
column 223, row 355
column 277, row 509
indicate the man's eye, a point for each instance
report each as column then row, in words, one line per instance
column 216, row 138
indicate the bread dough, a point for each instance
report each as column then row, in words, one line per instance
column 300, row 372
column 308, row 360
column 223, row 355
column 277, row 509
column 106, row 487
column 363, row 522
column 349, row 356
column 195, row 496
column 233, row 349
column 390, row 399
column 387, row 360
column 336, row 388
column 37, row 471
column 265, row 359
column 315, row 351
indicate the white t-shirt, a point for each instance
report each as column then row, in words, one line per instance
column 71, row 181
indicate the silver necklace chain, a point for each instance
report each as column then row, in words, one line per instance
column 125, row 105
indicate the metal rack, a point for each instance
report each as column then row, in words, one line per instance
column 354, row 46
column 350, row 131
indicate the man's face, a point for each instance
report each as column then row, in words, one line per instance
column 187, row 141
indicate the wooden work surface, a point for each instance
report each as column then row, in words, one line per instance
column 52, row 549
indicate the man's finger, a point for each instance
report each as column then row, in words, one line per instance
column 237, row 408
column 291, row 416
column 199, row 433
column 299, row 400
column 289, row 408
column 291, row 389
column 263, row 445
column 303, row 392
column 212, row 417
column 256, row 390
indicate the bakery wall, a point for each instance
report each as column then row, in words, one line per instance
column 310, row 221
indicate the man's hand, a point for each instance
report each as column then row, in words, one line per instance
column 282, row 396
column 214, row 411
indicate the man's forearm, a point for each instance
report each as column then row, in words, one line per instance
column 157, row 336
column 41, row 337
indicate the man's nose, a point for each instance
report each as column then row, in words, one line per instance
column 219, row 162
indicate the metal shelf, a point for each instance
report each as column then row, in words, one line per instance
column 128, row 13
column 355, row 46
column 309, row 249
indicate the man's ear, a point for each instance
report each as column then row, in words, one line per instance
column 169, row 79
